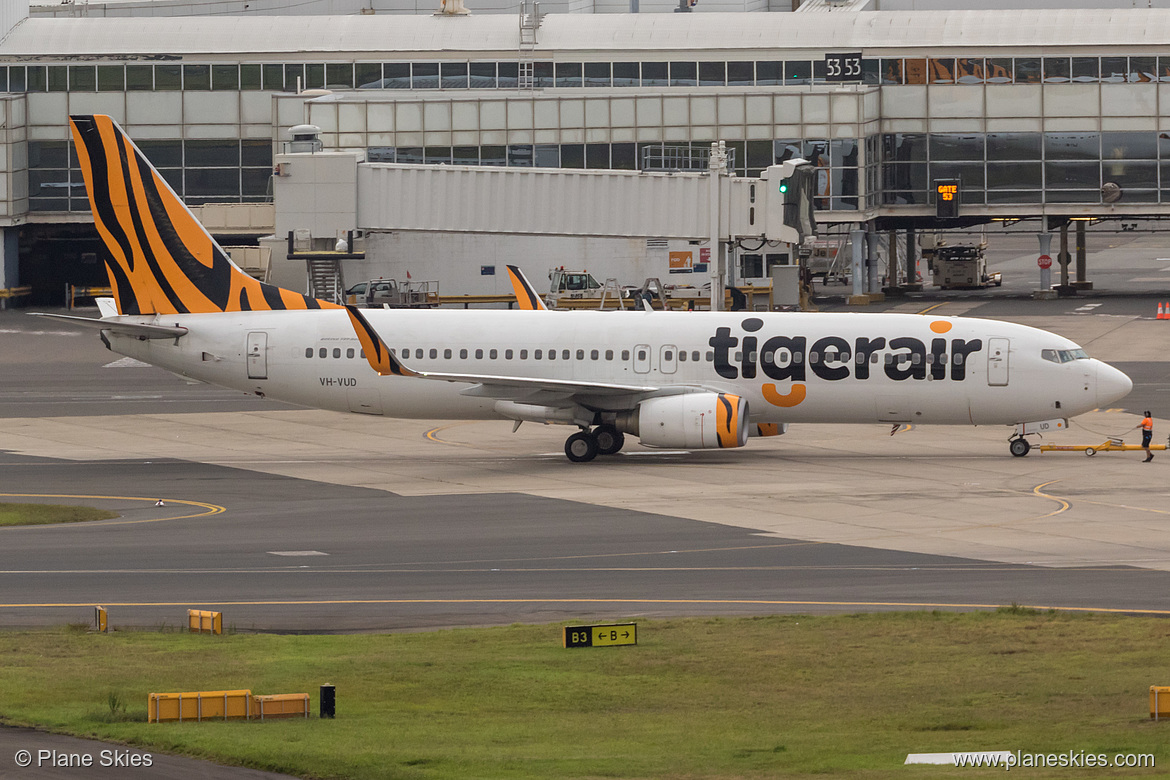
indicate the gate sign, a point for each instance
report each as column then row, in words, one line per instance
column 843, row 67
column 601, row 636
column 1044, row 261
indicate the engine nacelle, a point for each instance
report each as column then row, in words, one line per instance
column 691, row 421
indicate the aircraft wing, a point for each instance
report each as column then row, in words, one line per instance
column 136, row 329
column 386, row 363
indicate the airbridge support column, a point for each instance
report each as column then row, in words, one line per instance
column 857, row 245
column 912, row 283
column 1082, row 283
column 9, row 262
column 874, row 265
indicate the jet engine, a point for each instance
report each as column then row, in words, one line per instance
column 690, row 421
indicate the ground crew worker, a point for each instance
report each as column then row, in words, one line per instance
column 1147, row 426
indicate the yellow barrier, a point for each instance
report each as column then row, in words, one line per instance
column 1159, row 702
column 281, row 705
column 15, row 292
column 199, row 705
column 101, row 619
column 73, row 292
column 201, row 621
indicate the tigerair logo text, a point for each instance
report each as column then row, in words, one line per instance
column 834, row 359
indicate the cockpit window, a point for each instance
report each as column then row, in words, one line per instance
column 1063, row 355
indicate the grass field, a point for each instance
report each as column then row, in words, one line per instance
column 837, row 696
column 41, row 514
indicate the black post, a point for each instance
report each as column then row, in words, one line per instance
column 328, row 701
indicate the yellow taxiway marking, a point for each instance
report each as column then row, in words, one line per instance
column 432, row 434
column 932, row 308
column 212, row 509
column 1063, row 504
column 760, row 602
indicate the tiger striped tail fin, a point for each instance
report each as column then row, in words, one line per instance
column 160, row 259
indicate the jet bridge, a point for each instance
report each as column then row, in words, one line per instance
column 312, row 191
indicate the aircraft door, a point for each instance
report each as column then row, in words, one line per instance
column 258, row 355
column 642, row 359
column 667, row 359
column 997, row 361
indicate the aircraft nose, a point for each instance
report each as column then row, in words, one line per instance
column 1112, row 385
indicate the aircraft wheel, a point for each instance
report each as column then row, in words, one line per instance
column 1019, row 447
column 581, row 447
column 1090, row 451
column 609, row 439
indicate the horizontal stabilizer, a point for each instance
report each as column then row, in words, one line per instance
column 136, row 329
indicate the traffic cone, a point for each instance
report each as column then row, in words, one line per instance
column 1161, row 312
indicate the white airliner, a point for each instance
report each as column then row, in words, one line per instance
column 685, row 380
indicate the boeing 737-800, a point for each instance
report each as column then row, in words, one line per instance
column 674, row 379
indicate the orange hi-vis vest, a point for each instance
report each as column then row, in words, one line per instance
column 1147, row 423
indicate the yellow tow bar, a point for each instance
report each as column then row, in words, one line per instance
column 1109, row 445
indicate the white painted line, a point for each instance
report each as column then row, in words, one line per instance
column 127, row 362
column 949, row 758
column 296, row 553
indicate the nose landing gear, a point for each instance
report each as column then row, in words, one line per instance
column 1019, row 447
column 586, row 445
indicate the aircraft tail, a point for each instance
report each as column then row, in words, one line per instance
column 160, row 259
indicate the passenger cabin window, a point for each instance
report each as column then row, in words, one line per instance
column 682, row 356
column 308, row 352
column 418, row 353
column 580, row 354
column 609, row 354
column 492, row 354
column 641, row 354
column 323, row 352
column 447, row 354
column 536, row 354
column 507, row 354
column 337, row 352
column 479, row 354
column 594, row 355
column 625, row 354
column 695, row 356
column 564, row 354
column 434, row 353
column 668, row 355
column 463, row 354
column 523, row 354
column 349, row 352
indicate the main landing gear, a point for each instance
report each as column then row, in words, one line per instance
column 586, row 445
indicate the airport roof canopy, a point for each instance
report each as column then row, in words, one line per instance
column 891, row 33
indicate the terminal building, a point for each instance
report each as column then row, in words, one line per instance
column 1038, row 114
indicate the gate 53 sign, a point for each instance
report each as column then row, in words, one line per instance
column 843, row 67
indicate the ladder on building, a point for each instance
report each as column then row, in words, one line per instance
column 529, row 24
column 325, row 282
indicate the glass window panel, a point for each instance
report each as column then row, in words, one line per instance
column 163, row 154
column 655, row 74
column 971, row 174
column 1143, row 68
column 891, row 72
column 1013, row 196
column 82, row 78
column 870, row 71
column 969, row 70
column 173, row 177
column 424, row 75
column 380, row 154
column 568, row 74
column 904, row 147
column 1130, row 174
column 166, row 77
column 197, row 77
column 3, row 79
column 784, row 150
column 1072, row 175
column 396, row 75
column 255, row 183
column 1014, row 146
column 367, row 75
column 273, row 76
column 255, row 153
column 409, row 155
column 820, row 71
column 1072, row 146
column 225, row 77
column 520, row 156
column 795, row 72
column 1164, row 69
column 1114, row 69
column 294, row 77
column 684, row 74
column 1028, row 70
column 542, row 74
column 1015, row 176
column 770, row 73
column 904, row 176
column 624, row 157
column 597, row 74
column 339, row 75
column 1086, row 70
column 314, row 75
column 843, row 151
column 507, row 75
column 1057, row 70
column 759, row 155
column 1072, row 196
column 212, row 153
column 111, row 78
column 712, row 74
column 957, row 146
column 249, row 77
column 465, row 155
column 437, row 155
column 573, row 155
column 738, row 73
column 596, row 155
column 453, row 75
column 1000, row 70
column 213, row 182
column 35, row 78
column 904, row 198
column 48, row 204
column 17, row 78
column 482, row 75
column 493, row 155
column 625, row 74
column 547, row 156
column 139, row 77
column 915, row 71
column 1129, row 146
column 58, row 78
column 48, row 154
column 942, row 71
column 844, row 188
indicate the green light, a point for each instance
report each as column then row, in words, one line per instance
column 784, row 188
